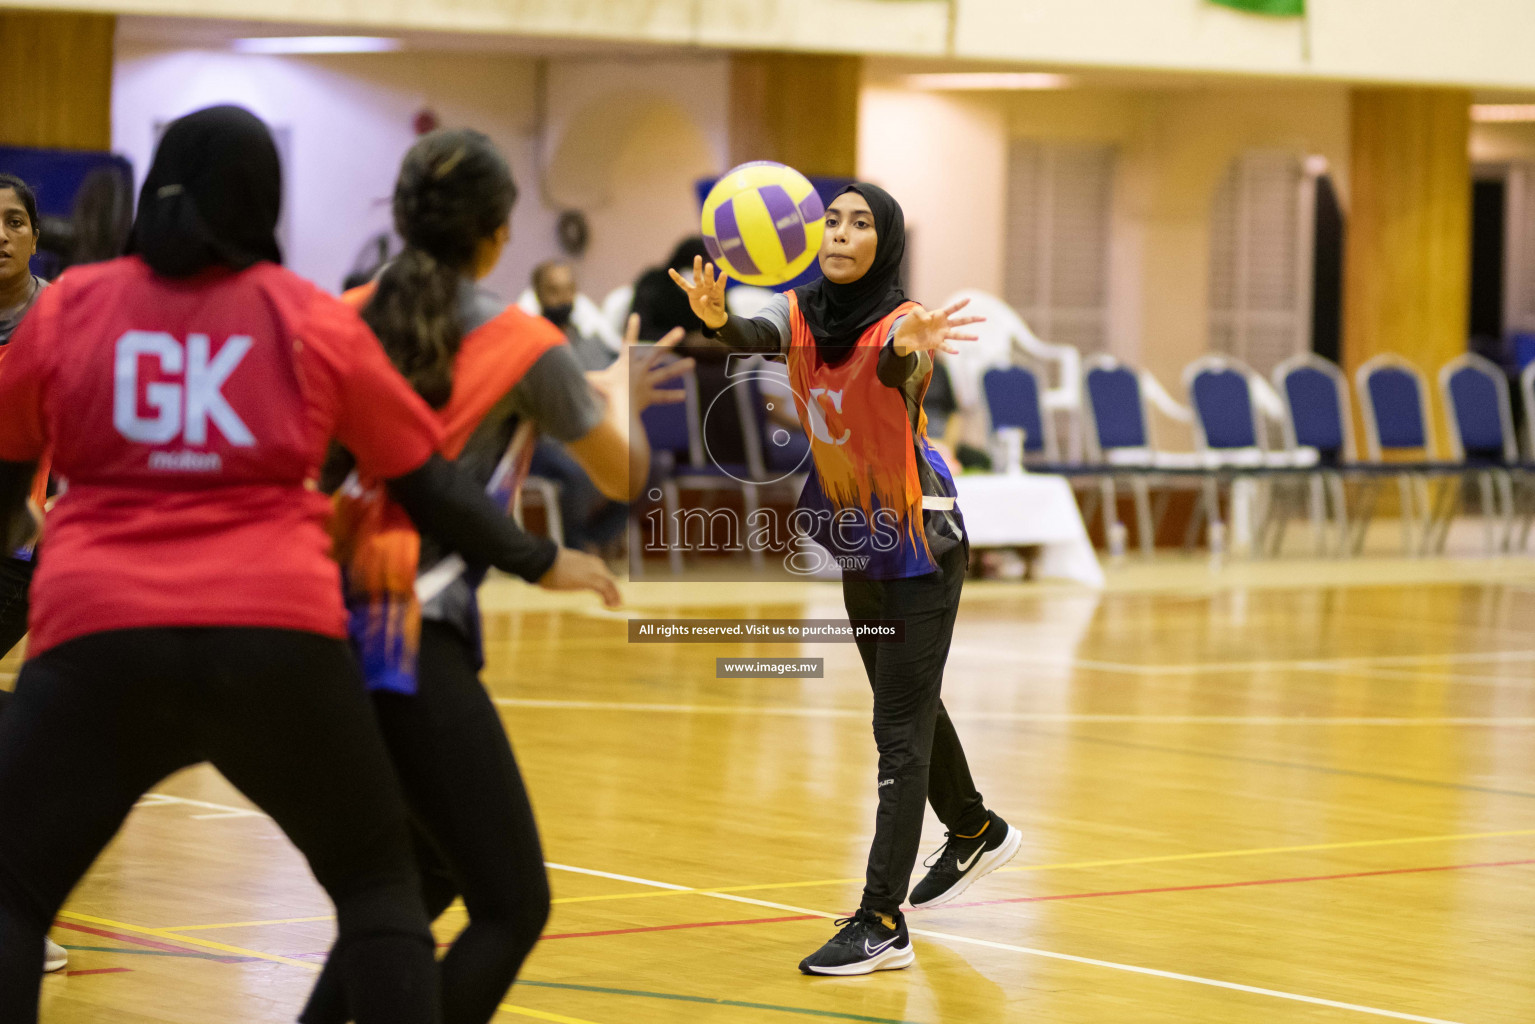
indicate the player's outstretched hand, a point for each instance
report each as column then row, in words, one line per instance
column 576, row 570
column 926, row 330
column 706, row 293
column 641, row 371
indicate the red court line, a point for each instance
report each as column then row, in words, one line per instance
column 1065, row 896
column 100, row 970
column 1238, row 885
column 137, row 941
column 690, row 924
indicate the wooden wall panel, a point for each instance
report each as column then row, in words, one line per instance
column 1408, row 261
column 58, row 79
column 798, row 109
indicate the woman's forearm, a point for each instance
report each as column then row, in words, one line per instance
column 747, row 334
column 639, row 456
column 452, row 508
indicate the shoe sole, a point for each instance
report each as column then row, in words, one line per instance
column 888, row 960
column 52, row 966
column 988, row 863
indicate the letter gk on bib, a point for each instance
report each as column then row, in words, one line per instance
column 164, row 390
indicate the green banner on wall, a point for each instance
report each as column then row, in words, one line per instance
column 1282, row 8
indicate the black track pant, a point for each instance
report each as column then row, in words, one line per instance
column 920, row 758
column 478, row 838
column 97, row 721
column 15, row 588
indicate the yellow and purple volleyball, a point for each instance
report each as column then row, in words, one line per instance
column 763, row 223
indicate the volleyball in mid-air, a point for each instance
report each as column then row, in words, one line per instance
column 763, row 223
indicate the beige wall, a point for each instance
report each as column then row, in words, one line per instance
column 1503, row 143
column 1174, row 146
column 621, row 141
column 1471, row 42
column 902, row 27
column 1464, row 42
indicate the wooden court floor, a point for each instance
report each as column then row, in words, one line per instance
column 1304, row 797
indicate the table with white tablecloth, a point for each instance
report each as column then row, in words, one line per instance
column 1009, row 510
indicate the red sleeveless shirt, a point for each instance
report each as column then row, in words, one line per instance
column 865, row 495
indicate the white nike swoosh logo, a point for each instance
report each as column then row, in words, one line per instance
column 876, row 950
column 964, row 865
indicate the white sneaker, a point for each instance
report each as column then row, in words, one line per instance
column 55, row 956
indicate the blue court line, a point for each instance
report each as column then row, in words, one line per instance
column 712, row 1002
column 1405, row 780
column 221, row 957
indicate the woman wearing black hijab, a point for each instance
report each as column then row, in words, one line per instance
column 186, row 608
column 882, row 501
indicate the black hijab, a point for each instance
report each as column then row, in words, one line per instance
column 212, row 195
column 838, row 314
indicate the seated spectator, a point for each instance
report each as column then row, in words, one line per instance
column 592, row 521
column 554, row 295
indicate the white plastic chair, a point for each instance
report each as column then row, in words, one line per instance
column 1002, row 336
column 1232, row 436
column 615, row 307
column 586, row 316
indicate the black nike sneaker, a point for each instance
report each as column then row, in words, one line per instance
column 863, row 946
column 960, row 862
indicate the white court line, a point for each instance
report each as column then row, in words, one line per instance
column 1213, row 667
column 1048, row 954
column 1300, row 664
column 617, row 878
column 160, row 799
column 1006, row 716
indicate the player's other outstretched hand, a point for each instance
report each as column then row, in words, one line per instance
column 706, row 293
column 925, row 330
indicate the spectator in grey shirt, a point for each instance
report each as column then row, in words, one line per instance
column 591, row 520
column 19, row 289
column 18, row 242
column 560, row 302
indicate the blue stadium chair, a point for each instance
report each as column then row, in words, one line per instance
column 1394, row 400
column 675, row 441
column 1013, row 400
column 774, row 452
column 682, row 462
column 1317, row 416
column 1119, row 434
column 1481, row 419
column 1225, row 417
column 1228, row 430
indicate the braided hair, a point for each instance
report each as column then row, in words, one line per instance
column 455, row 190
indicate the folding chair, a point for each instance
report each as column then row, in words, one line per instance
column 1317, row 416
column 1228, row 428
column 1119, row 434
column 1394, row 400
column 1013, row 400
column 1475, row 392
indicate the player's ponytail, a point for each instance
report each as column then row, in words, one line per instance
column 455, row 191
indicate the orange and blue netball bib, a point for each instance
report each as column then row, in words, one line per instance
column 375, row 541
column 863, row 503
